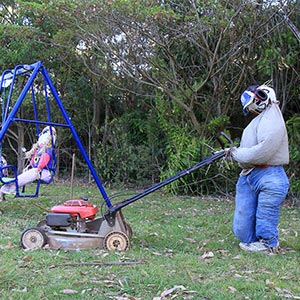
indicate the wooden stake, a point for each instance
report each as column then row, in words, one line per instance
column 72, row 176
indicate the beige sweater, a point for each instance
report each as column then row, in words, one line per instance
column 264, row 141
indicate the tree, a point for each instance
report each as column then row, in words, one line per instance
column 148, row 73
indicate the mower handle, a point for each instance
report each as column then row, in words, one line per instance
column 208, row 160
column 229, row 140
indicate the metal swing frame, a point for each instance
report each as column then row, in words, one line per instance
column 32, row 71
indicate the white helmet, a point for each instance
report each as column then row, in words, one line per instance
column 46, row 135
column 257, row 98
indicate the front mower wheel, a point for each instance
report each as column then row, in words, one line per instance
column 33, row 238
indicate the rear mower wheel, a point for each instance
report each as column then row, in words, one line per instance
column 116, row 240
column 33, row 238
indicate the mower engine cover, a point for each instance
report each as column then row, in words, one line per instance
column 77, row 207
column 61, row 220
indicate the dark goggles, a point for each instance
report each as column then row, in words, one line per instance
column 260, row 96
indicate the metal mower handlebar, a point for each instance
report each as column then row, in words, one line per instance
column 206, row 161
column 229, row 140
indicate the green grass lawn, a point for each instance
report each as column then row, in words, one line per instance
column 181, row 248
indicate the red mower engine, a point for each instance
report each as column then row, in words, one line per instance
column 71, row 215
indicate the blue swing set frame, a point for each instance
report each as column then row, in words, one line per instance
column 10, row 110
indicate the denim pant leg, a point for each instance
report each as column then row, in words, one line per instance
column 244, row 220
column 273, row 187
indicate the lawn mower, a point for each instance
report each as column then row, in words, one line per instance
column 73, row 224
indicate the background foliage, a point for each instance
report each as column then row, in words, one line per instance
column 150, row 83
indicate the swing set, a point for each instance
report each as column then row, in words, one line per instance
column 20, row 84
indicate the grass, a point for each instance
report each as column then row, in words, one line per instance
column 181, row 248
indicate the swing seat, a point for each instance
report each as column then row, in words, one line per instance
column 7, row 180
column 38, row 183
column 51, row 177
column 51, row 168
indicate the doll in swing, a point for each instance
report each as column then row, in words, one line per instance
column 41, row 157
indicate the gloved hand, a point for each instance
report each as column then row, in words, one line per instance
column 228, row 155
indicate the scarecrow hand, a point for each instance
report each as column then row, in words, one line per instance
column 228, row 153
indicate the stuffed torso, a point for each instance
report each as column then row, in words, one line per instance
column 264, row 140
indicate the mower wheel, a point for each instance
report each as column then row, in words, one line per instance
column 32, row 238
column 116, row 240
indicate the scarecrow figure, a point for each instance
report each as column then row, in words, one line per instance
column 263, row 183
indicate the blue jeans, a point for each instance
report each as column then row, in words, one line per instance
column 257, row 205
